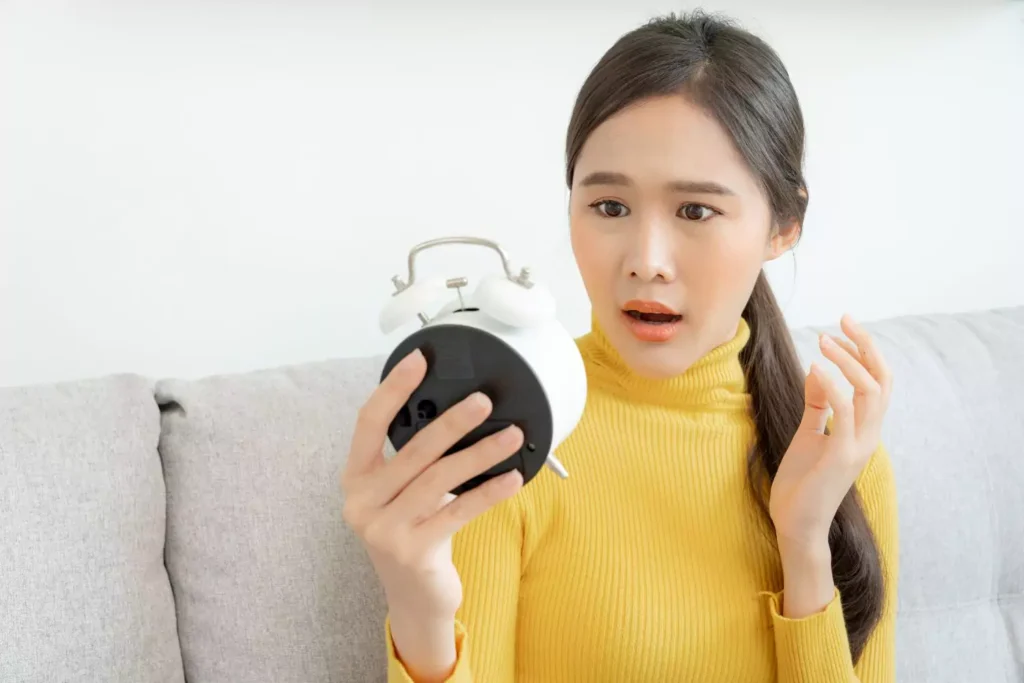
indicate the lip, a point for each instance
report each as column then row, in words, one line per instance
column 649, row 331
column 642, row 306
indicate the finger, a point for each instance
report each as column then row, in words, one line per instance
column 428, row 445
column 864, row 414
column 843, row 427
column 815, row 404
column 870, row 355
column 867, row 394
column 367, row 450
column 854, row 371
column 424, row 495
column 470, row 505
column 850, row 347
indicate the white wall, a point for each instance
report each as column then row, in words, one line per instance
column 188, row 189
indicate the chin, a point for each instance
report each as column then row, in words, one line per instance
column 658, row 361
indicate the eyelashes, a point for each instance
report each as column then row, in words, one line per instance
column 609, row 208
column 692, row 212
column 702, row 212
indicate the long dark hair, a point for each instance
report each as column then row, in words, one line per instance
column 742, row 83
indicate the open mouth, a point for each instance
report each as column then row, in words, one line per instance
column 651, row 321
column 651, row 312
column 653, row 318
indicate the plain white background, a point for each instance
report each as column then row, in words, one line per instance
column 196, row 188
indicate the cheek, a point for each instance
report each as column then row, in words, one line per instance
column 726, row 267
column 592, row 259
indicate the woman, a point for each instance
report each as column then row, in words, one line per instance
column 713, row 528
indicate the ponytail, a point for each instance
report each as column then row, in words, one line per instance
column 776, row 384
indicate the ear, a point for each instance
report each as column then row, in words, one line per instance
column 782, row 241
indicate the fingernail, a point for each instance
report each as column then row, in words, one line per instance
column 479, row 399
column 827, row 340
column 509, row 436
column 411, row 357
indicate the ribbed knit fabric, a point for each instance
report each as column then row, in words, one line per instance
column 652, row 561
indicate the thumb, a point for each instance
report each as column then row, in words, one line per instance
column 816, row 406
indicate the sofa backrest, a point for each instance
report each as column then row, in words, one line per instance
column 84, row 595
column 268, row 583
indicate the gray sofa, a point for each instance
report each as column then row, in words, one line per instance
column 163, row 531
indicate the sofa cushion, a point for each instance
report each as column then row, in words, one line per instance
column 955, row 433
column 83, row 591
column 270, row 585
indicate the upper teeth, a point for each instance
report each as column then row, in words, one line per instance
column 638, row 314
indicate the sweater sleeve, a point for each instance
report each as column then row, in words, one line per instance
column 816, row 648
column 488, row 555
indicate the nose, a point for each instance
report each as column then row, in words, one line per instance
column 650, row 257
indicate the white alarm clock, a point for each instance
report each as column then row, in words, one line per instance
column 501, row 339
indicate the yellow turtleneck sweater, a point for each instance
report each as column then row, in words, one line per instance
column 651, row 561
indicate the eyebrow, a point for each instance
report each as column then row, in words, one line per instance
column 692, row 186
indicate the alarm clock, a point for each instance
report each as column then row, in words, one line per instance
column 499, row 337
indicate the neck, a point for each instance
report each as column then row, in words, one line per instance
column 715, row 381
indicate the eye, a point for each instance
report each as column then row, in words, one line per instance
column 696, row 212
column 609, row 208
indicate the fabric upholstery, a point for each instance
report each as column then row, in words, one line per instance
column 270, row 584
column 84, row 595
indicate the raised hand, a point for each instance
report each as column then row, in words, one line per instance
column 818, row 469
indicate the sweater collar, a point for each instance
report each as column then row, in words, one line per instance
column 716, row 380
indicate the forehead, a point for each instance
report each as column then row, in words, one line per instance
column 662, row 139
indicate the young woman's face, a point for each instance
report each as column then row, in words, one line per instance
column 670, row 230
